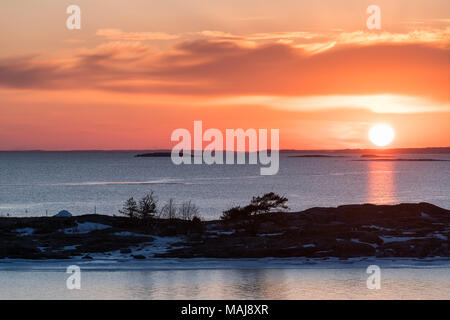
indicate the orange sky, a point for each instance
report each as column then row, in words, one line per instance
column 137, row 70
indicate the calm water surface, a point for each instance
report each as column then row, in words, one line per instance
column 39, row 183
column 329, row 283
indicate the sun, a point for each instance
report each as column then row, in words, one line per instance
column 381, row 135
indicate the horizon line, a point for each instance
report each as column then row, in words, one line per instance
column 280, row 150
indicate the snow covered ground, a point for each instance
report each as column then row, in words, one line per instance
column 86, row 227
column 23, row 232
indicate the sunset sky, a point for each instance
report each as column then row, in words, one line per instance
column 139, row 69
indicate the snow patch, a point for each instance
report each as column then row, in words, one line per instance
column 71, row 247
column 398, row 239
column 226, row 233
column 130, row 234
column 22, row 232
column 86, row 227
column 270, row 234
column 424, row 215
column 359, row 241
column 378, row 228
column 440, row 236
column 148, row 250
column 158, row 245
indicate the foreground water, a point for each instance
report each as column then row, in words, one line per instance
column 40, row 183
column 227, row 279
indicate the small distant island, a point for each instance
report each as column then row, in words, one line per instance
column 316, row 156
column 377, row 158
column 161, row 154
column 154, row 155
column 260, row 229
column 373, row 156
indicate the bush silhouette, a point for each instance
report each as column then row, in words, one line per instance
column 269, row 202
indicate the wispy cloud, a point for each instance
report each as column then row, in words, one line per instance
column 435, row 36
column 316, row 42
column 311, row 42
column 379, row 103
column 118, row 34
column 260, row 36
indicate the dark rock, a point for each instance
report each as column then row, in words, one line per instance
column 408, row 230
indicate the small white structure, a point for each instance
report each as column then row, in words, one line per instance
column 63, row 213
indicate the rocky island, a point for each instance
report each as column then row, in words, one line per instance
column 405, row 230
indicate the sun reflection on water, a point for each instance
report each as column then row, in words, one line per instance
column 381, row 186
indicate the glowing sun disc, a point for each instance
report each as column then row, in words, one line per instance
column 381, row 135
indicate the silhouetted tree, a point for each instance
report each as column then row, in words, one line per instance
column 187, row 210
column 147, row 206
column 130, row 208
column 268, row 202
column 258, row 205
column 169, row 210
column 196, row 220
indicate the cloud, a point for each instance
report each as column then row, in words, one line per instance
column 435, row 36
column 381, row 103
column 225, row 68
column 26, row 72
column 315, row 42
column 312, row 42
column 260, row 36
column 280, row 69
column 117, row 34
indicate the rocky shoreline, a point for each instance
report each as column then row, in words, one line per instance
column 419, row 230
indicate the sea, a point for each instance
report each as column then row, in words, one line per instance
column 43, row 183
